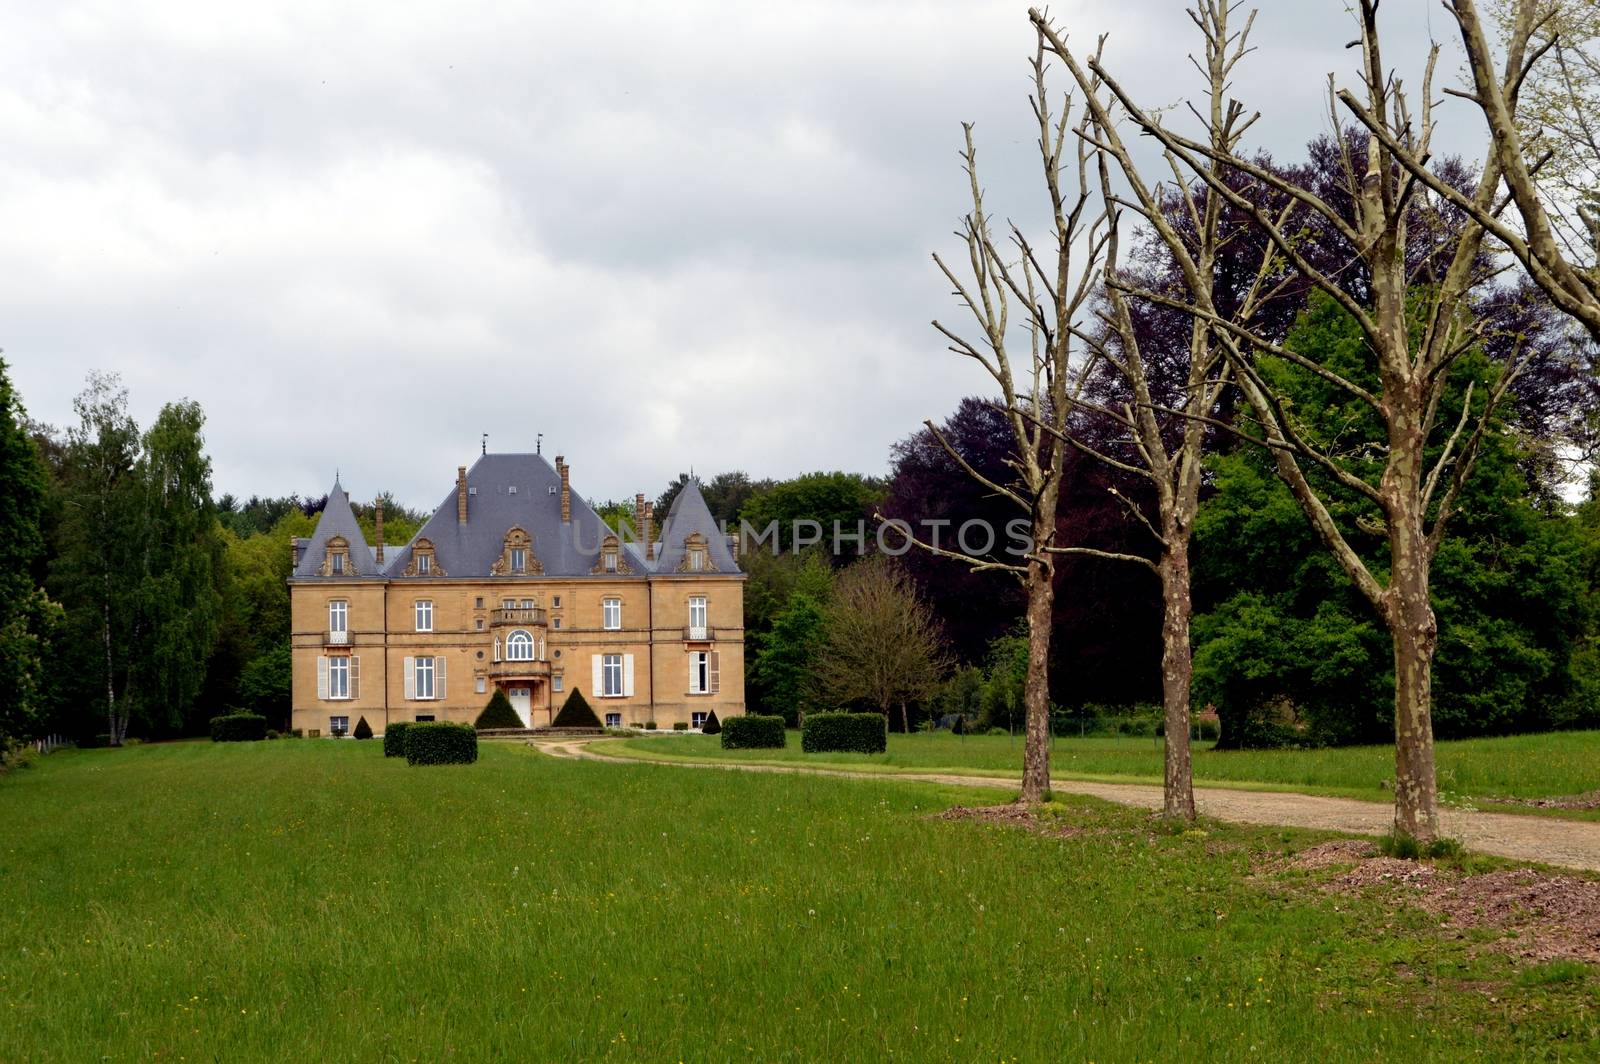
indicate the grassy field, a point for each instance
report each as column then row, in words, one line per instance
column 311, row 901
column 1523, row 766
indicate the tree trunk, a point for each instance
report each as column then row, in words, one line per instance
column 1415, row 633
column 905, row 721
column 1177, row 669
column 1036, row 693
column 111, row 689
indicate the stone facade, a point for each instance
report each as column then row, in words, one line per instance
column 399, row 640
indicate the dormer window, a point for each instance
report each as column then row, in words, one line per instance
column 423, row 560
column 696, row 555
column 611, row 559
column 337, row 560
column 516, row 556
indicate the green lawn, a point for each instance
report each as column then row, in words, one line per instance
column 311, row 901
column 1523, row 766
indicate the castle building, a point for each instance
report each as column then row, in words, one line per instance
column 516, row 584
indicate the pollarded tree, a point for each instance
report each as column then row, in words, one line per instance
column 881, row 645
column 1415, row 322
column 1038, row 364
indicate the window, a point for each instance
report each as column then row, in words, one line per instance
column 519, row 646
column 703, row 672
column 555, row 602
column 338, row 621
column 423, row 718
column 519, row 560
column 423, row 561
column 611, row 561
column 480, row 624
column 613, row 720
column 555, row 622
column 424, row 564
column 697, row 719
column 424, row 615
column 424, row 678
column 338, row 727
column 555, row 682
column 336, row 561
column 477, row 603
column 695, row 554
column 338, row 677
column 697, row 560
column 481, row 685
column 336, row 564
column 697, row 616
column 611, row 614
column 611, row 675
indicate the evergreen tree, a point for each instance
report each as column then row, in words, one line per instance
column 712, row 726
column 575, row 713
column 499, row 713
column 363, row 729
column 785, row 656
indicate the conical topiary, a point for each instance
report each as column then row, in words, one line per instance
column 499, row 713
column 712, row 725
column 575, row 713
column 363, row 729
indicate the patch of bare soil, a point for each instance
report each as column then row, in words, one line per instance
column 1539, row 916
column 1586, row 800
column 1015, row 815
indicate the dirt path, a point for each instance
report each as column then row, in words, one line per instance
column 1569, row 843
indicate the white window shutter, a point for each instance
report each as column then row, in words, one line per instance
column 355, row 676
column 694, row 674
column 438, row 678
column 627, row 675
column 411, row 678
column 716, row 671
column 322, row 677
column 497, row 648
column 596, row 690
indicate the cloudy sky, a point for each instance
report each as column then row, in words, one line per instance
column 663, row 235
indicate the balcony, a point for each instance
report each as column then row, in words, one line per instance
column 339, row 638
column 521, row 615
column 701, row 634
column 509, row 670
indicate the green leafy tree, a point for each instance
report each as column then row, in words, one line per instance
column 179, row 597
column 786, row 655
column 28, row 620
column 847, row 499
column 100, row 550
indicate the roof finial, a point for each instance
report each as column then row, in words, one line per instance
column 485, row 443
column 538, row 444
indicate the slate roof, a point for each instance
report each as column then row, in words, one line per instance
column 690, row 514
column 337, row 520
column 563, row 549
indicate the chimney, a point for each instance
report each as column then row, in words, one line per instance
column 733, row 546
column 638, row 514
column 649, row 532
column 378, row 520
column 461, row 494
column 294, row 552
column 566, row 489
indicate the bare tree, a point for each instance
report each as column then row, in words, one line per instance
column 1166, row 444
column 1416, row 324
column 882, row 644
column 1558, row 241
column 1053, row 285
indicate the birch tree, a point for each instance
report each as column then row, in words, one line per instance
column 1027, row 303
column 1416, row 324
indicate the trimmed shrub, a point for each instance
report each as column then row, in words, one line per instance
column 680, row 725
column 296, row 733
column 394, row 738
column 363, row 729
column 575, row 713
column 238, row 728
column 649, row 725
column 439, row 742
column 272, row 733
column 855, row 733
column 753, row 731
column 498, row 714
column 712, row 725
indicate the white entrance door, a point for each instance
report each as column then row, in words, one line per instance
column 522, row 702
